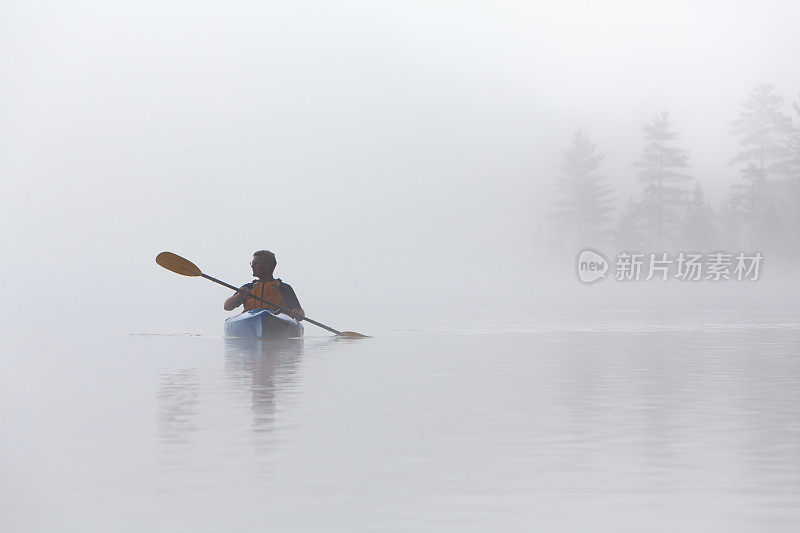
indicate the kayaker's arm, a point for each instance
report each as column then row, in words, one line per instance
column 238, row 298
column 292, row 302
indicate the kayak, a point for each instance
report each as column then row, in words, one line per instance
column 263, row 324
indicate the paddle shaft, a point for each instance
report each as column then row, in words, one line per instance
column 279, row 307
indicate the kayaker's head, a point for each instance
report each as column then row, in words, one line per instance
column 263, row 264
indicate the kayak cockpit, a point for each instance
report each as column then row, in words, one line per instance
column 262, row 323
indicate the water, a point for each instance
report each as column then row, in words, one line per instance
column 608, row 421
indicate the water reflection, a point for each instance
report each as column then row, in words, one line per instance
column 269, row 371
column 657, row 426
column 665, row 413
column 178, row 393
column 259, row 378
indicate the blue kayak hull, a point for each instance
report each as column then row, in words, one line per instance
column 262, row 323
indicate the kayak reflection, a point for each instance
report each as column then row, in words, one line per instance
column 269, row 371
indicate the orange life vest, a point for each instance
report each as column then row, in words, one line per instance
column 269, row 291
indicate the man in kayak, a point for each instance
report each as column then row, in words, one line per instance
column 266, row 287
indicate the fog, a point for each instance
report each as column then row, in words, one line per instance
column 428, row 174
column 391, row 154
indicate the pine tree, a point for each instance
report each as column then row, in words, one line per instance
column 733, row 218
column 660, row 170
column 793, row 193
column 697, row 229
column 630, row 233
column 763, row 128
column 791, row 163
column 789, row 187
column 584, row 200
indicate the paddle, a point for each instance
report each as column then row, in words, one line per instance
column 184, row 267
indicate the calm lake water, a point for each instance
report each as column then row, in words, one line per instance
column 613, row 421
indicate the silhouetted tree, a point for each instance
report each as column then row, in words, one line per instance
column 763, row 128
column 788, row 188
column 630, row 233
column 732, row 217
column 793, row 173
column 584, row 200
column 791, row 162
column 697, row 225
column 660, row 170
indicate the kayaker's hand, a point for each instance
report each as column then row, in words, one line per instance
column 238, row 298
column 298, row 314
column 244, row 291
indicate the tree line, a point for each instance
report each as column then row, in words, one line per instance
column 760, row 212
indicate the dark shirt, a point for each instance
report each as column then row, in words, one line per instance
column 289, row 296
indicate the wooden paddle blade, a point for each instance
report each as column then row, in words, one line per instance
column 353, row 335
column 177, row 264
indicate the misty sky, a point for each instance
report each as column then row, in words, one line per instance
column 379, row 148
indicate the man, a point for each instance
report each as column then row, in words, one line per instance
column 266, row 287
